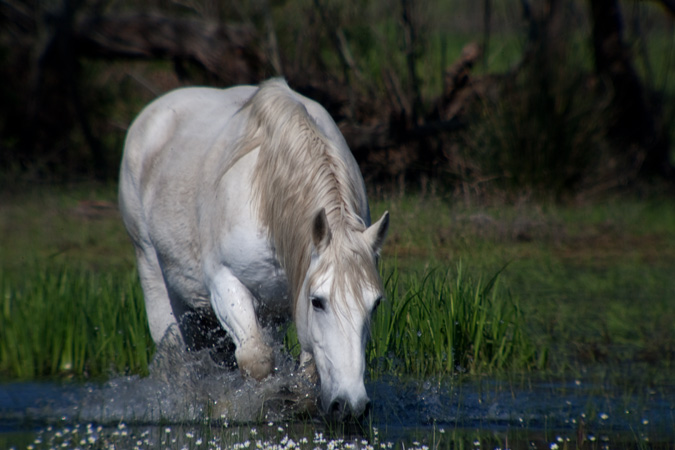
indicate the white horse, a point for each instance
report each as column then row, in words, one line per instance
column 238, row 199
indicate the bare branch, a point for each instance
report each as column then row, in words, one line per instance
column 226, row 51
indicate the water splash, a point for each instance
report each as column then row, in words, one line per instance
column 182, row 387
column 190, row 386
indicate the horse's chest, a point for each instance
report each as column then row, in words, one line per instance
column 265, row 279
column 253, row 262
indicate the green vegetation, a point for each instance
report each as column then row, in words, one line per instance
column 538, row 287
column 539, row 116
column 446, row 323
column 70, row 300
column 593, row 282
column 65, row 321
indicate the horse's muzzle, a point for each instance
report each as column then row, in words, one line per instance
column 340, row 409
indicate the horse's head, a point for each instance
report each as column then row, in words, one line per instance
column 340, row 291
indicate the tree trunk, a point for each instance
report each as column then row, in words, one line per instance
column 635, row 124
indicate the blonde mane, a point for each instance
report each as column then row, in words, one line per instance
column 298, row 172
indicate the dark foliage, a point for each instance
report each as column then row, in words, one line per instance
column 75, row 73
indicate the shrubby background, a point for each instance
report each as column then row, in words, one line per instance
column 561, row 99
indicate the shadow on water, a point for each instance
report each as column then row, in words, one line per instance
column 190, row 402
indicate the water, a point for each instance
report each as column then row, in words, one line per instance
column 189, row 402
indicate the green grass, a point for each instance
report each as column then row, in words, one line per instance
column 593, row 282
column 444, row 322
column 70, row 301
column 582, row 285
column 63, row 321
column 77, row 225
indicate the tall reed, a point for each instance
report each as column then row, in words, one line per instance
column 444, row 322
column 67, row 321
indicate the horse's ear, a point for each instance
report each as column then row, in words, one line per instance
column 320, row 231
column 376, row 233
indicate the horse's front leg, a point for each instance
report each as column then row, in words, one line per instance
column 233, row 305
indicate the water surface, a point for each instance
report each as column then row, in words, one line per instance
column 197, row 404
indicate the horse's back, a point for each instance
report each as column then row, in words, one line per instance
column 176, row 135
column 168, row 143
column 182, row 123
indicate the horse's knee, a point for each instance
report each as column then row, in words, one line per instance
column 255, row 359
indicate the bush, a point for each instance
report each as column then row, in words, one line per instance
column 544, row 134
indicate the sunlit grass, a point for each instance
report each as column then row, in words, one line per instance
column 593, row 281
column 582, row 285
column 61, row 321
column 445, row 322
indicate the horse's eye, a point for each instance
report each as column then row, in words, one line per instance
column 318, row 303
column 377, row 303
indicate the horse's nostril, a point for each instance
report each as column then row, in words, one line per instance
column 337, row 409
column 340, row 409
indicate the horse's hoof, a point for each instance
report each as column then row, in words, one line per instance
column 255, row 361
